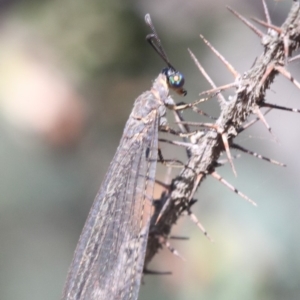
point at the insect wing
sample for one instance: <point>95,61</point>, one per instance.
<point>109,257</point>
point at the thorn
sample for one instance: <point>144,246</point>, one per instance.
<point>246,22</point>
<point>222,58</point>
<point>238,147</point>
<point>171,163</point>
<point>219,89</point>
<point>175,132</point>
<point>257,111</point>
<point>168,178</point>
<point>294,58</point>
<point>162,184</point>
<point>163,209</point>
<point>178,143</point>
<point>200,226</point>
<point>150,272</point>
<point>206,76</point>
<point>222,162</point>
<point>184,128</point>
<point>280,107</point>
<point>201,112</point>
<point>232,188</point>
<point>226,146</point>
<point>172,249</point>
<point>268,71</point>
<point>266,11</point>
<point>208,125</point>
<point>268,25</point>
<point>286,47</point>
<point>195,186</point>
<point>184,105</point>
<point>178,117</point>
<point>288,75</point>
<point>192,200</point>
<point>244,127</point>
<point>183,238</point>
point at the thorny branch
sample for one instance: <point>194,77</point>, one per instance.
<point>206,146</point>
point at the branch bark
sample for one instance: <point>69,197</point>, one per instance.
<point>207,145</point>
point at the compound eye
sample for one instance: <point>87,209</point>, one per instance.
<point>175,80</point>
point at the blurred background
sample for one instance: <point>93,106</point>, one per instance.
<point>69,74</point>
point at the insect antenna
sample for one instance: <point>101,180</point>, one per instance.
<point>175,79</point>
<point>154,40</point>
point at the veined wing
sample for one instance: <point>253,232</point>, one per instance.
<point>109,257</point>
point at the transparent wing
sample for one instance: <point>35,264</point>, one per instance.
<point>109,257</point>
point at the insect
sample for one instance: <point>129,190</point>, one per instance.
<point>109,258</point>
